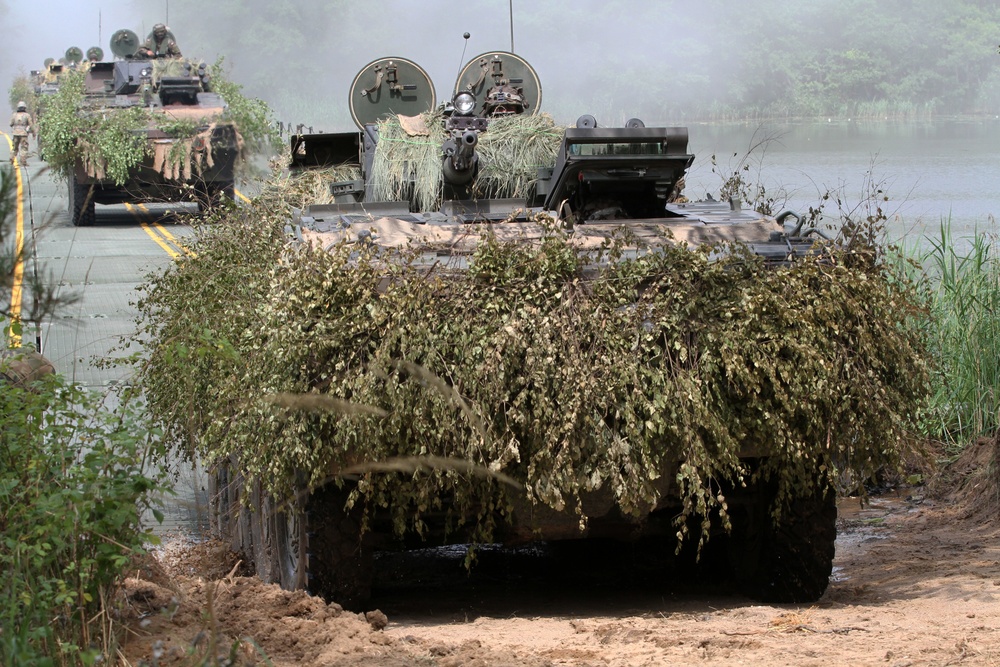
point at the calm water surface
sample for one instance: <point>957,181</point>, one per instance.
<point>946,169</point>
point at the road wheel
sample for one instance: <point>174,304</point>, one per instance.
<point>214,194</point>
<point>81,203</point>
<point>790,561</point>
<point>262,534</point>
<point>219,502</point>
<point>340,559</point>
<point>241,538</point>
<point>291,544</point>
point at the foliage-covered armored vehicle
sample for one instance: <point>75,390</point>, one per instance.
<point>139,129</point>
<point>465,346</point>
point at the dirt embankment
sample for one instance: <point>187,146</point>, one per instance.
<point>916,582</point>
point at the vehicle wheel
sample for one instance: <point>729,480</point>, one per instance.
<point>81,203</point>
<point>219,502</point>
<point>340,560</point>
<point>290,544</point>
<point>215,194</point>
<point>790,561</point>
<point>241,537</point>
<point>262,535</point>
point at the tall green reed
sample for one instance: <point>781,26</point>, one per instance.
<point>961,277</point>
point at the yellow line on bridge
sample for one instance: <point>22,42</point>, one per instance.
<point>170,237</point>
<point>134,210</point>
<point>163,238</point>
<point>17,289</point>
<point>159,241</point>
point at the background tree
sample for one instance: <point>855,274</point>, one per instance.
<point>664,60</point>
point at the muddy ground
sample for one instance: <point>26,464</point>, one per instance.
<point>916,582</point>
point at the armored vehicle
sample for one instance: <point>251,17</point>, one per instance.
<point>600,182</point>
<point>196,163</point>
<point>47,80</point>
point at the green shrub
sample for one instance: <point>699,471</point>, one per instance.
<point>251,115</point>
<point>74,480</point>
<point>560,371</point>
<point>22,90</point>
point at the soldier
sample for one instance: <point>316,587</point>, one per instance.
<point>23,367</point>
<point>22,125</point>
<point>159,44</point>
<point>503,101</point>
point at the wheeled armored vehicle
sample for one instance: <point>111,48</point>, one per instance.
<point>604,187</point>
<point>192,152</point>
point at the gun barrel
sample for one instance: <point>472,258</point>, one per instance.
<point>460,160</point>
<point>469,140</point>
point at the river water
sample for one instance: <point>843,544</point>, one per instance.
<point>934,171</point>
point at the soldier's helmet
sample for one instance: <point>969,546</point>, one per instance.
<point>22,368</point>
<point>504,100</point>
<point>21,106</point>
<point>160,31</point>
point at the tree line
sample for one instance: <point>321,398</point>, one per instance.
<point>667,59</point>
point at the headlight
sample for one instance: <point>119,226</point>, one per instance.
<point>465,103</point>
<point>145,71</point>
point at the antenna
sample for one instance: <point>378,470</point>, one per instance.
<point>461,63</point>
<point>167,3</point>
<point>100,27</point>
<point>510,3</point>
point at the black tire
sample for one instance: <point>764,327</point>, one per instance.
<point>270,537</point>
<point>262,535</point>
<point>290,544</point>
<point>787,562</point>
<point>340,560</point>
<point>214,194</point>
<point>81,203</point>
<point>220,503</point>
<point>240,533</point>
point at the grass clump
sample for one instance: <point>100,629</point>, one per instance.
<point>408,167</point>
<point>512,151</point>
<point>312,185</point>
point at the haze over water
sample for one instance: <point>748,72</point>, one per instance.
<point>933,171</point>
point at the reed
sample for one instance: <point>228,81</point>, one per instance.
<point>962,280</point>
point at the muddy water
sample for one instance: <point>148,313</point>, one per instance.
<point>861,524</point>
